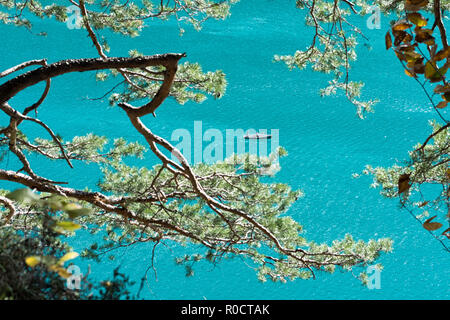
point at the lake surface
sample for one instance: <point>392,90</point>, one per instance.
<point>326,142</point>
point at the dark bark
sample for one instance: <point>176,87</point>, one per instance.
<point>10,88</point>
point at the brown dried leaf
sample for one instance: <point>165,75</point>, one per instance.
<point>424,36</point>
<point>419,67</point>
<point>442,54</point>
<point>403,183</point>
<point>431,226</point>
<point>423,204</point>
<point>442,89</point>
<point>442,104</point>
<point>446,233</point>
<point>388,39</point>
<point>401,25</point>
<point>415,5</point>
<point>399,36</point>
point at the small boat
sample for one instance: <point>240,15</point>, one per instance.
<point>258,136</point>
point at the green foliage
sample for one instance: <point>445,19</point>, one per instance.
<point>232,208</point>
<point>335,39</point>
<point>332,49</point>
<point>126,19</point>
<point>423,183</point>
<point>190,84</point>
<point>89,149</point>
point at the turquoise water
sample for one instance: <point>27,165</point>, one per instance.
<point>325,140</point>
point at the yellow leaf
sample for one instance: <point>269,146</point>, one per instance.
<point>417,19</point>
<point>71,206</point>
<point>63,273</point>
<point>68,225</point>
<point>60,270</point>
<point>410,73</point>
<point>68,256</point>
<point>32,261</point>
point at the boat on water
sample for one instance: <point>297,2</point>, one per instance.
<point>258,136</point>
